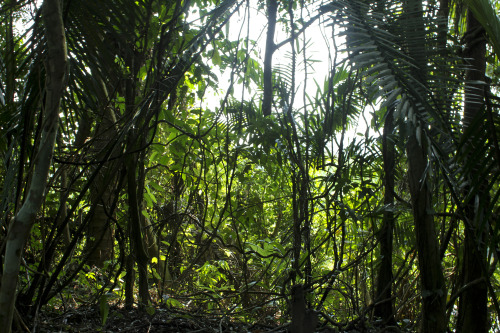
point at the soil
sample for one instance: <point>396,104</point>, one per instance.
<point>88,319</point>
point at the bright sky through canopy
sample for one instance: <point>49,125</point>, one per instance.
<point>316,36</point>
<point>319,48</point>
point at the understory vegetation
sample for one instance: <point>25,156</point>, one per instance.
<point>300,165</point>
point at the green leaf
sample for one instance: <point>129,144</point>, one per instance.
<point>104,309</point>
<point>151,195</point>
<point>156,186</point>
<point>150,309</point>
<point>216,59</point>
<point>155,274</point>
<point>173,303</point>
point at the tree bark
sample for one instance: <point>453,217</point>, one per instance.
<point>304,320</point>
<point>136,238</point>
<point>22,223</point>
<point>473,303</point>
<point>100,233</point>
<point>433,288</point>
<point>383,305</point>
<point>272,9</point>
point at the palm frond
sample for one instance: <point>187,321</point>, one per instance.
<point>378,36</point>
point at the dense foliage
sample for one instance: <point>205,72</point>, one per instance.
<point>203,159</point>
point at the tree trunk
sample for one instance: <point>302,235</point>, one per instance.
<point>151,244</point>
<point>136,238</point>
<point>129,282</point>
<point>272,9</point>
<point>433,288</point>
<point>383,303</point>
<point>63,205</point>
<point>473,304</point>
<point>20,227</point>
<point>100,233</point>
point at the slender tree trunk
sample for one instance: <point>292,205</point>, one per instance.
<point>63,202</point>
<point>433,288</point>
<point>151,245</point>
<point>100,233</point>
<point>272,9</point>
<point>129,282</point>
<point>20,227</point>
<point>137,243</point>
<point>473,304</point>
<point>9,55</point>
<point>150,240</point>
<point>383,307</point>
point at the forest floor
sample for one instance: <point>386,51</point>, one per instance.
<point>89,319</point>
